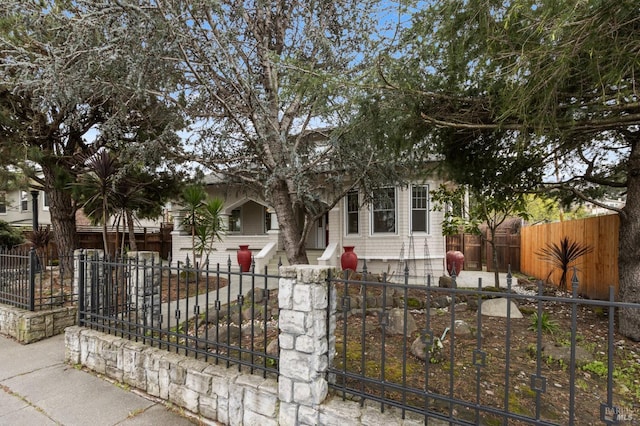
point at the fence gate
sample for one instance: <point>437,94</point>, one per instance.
<point>471,246</point>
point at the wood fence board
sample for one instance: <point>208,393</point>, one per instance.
<point>596,271</point>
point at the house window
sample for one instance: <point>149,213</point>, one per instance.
<point>384,211</point>
<point>420,208</point>
<point>24,201</point>
<point>235,224</point>
<point>267,219</point>
<point>3,203</point>
<point>45,201</point>
<point>353,212</point>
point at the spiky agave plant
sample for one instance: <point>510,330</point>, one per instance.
<point>561,256</point>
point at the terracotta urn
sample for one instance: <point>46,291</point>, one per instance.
<point>244,257</point>
<point>349,259</point>
<point>455,260</point>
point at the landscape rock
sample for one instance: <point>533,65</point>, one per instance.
<point>396,323</point>
<point>441,302</point>
<point>432,353</point>
<point>445,282</point>
<point>498,308</point>
<point>563,353</point>
<point>273,348</point>
<point>463,330</point>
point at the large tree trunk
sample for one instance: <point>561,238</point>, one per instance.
<point>629,248</point>
<point>290,227</point>
<point>63,221</point>
<point>494,252</point>
<point>132,232</point>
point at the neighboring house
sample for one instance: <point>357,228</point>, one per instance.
<point>16,207</point>
<point>399,229</point>
<point>593,210</point>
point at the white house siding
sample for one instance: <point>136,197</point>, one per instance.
<point>16,216</point>
<point>252,230</point>
<point>383,252</point>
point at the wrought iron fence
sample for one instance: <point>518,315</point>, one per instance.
<point>547,358</point>
<point>27,283</point>
<point>210,312</point>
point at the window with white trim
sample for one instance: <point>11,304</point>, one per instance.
<point>24,201</point>
<point>384,211</point>
<point>267,219</point>
<point>45,201</point>
<point>353,212</point>
<point>420,208</point>
<point>235,224</point>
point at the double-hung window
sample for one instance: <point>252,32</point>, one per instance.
<point>45,201</point>
<point>353,212</point>
<point>235,223</point>
<point>420,208</point>
<point>384,211</point>
<point>24,201</point>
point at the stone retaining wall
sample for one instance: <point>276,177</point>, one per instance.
<point>28,327</point>
<point>300,396</point>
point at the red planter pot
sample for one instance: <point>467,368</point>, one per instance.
<point>349,260</point>
<point>455,259</point>
<point>244,258</point>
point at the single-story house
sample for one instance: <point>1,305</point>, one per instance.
<point>400,229</point>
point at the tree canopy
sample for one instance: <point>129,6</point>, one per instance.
<point>270,88</point>
<point>558,79</point>
<point>64,97</point>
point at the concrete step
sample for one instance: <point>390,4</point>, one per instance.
<point>281,256</point>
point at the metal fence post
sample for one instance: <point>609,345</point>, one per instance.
<point>81,287</point>
<point>32,279</point>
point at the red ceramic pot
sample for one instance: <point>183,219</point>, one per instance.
<point>349,260</point>
<point>455,259</point>
<point>244,258</point>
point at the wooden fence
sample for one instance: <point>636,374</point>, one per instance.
<point>479,254</point>
<point>151,239</point>
<point>597,271</point>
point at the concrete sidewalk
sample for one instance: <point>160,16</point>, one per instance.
<point>38,388</point>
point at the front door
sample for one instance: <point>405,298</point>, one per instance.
<point>321,233</point>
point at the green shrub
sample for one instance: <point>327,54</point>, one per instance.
<point>546,323</point>
<point>9,236</point>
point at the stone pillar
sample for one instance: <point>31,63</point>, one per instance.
<point>145,277</point>
<point>304,348</point>
<point>93,277</point>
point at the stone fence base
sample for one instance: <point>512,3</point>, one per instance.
<point>28,327</point>
<point>213,391</point>
<point>300,396</point>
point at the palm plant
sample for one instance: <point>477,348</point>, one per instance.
<point>193,197</point>
<point>210,228</point>
<point>561,256</point>
<point>102,168</point>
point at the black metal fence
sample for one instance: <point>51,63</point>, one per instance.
<point>210,312</point>
<point>541,358</point>
<point>27,283</point>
